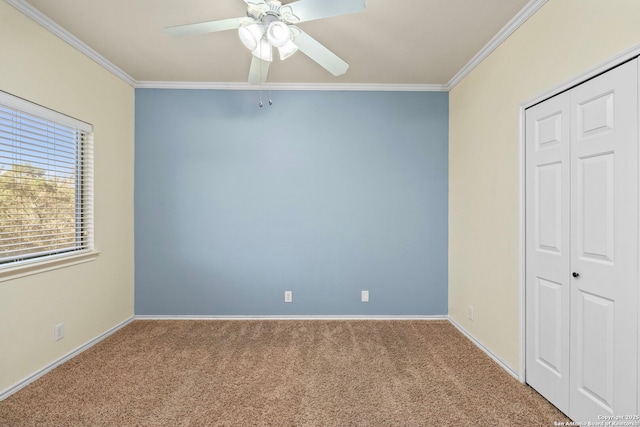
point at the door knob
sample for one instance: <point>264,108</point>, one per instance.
<point>576,275</point>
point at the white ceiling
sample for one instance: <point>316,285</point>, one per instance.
<point>409,42</point>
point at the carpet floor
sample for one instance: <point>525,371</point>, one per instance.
<point>280,373</point>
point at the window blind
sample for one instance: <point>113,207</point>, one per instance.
<point>46,182</point>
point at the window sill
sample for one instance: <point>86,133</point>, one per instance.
<point>28,268</point>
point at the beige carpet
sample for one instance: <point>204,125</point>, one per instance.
<point>280,373</point>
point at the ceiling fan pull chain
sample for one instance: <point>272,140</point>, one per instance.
<point>260,88</point>
<point>270,74</point>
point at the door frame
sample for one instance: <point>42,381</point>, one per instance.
<point>594,71</point>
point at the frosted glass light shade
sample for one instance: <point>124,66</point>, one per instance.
<point>278,34</point>
<point>287,50</point>
<point>251,35</point>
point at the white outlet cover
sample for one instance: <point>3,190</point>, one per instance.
<point>365,296</point>
<point>58,331</point>
<point>288,296</point>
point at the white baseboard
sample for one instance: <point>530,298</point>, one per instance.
<point>31,378</point>
<point>287,317</point>
<point>489,353</point>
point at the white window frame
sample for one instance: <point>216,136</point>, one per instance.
<point>46,262</point>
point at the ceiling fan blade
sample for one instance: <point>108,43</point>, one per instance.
<point>308,10</point>
<point>255,2</point>
<point>320,54</point>
<point>258,71</point>
<point>206,27</point>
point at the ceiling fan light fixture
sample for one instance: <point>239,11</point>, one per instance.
<point>287,50</point>
<point>251,35</point>
<point>270,24</point>
<point>278,34</point>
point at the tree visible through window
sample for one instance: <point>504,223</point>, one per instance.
<point>45,182</point>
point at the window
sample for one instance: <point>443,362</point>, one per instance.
<point>46,183</point>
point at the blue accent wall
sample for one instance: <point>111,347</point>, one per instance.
<point>323,193</point>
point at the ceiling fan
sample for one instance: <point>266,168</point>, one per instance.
<point>270,24</point>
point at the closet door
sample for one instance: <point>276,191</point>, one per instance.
<point>548,249</point>
<point>582,246</point>
<point>604,245</point>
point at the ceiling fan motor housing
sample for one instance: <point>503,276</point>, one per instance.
<point>271,10</point>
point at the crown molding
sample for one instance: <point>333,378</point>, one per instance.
<point>66,36</point>
<point>502,35</point>
<point>292,86</point>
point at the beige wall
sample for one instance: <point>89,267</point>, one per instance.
<point>90,298</point>
<point>563,39</point>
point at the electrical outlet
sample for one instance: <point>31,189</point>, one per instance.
<point>470,312</point>
<point>364,297</point>
<point>58,331</point>
<point>288,296</point>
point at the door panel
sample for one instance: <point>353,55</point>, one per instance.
<point>604,241</point>
<point>547,249</point>
<point>594,219</point>
<point>548,345</point>
<point>595,338</point>
<point>548,208</point>
<point>548,131</point>
<point>595,115</point>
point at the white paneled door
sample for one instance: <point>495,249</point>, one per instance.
<point>548,249</point>
<point>582,246</point>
